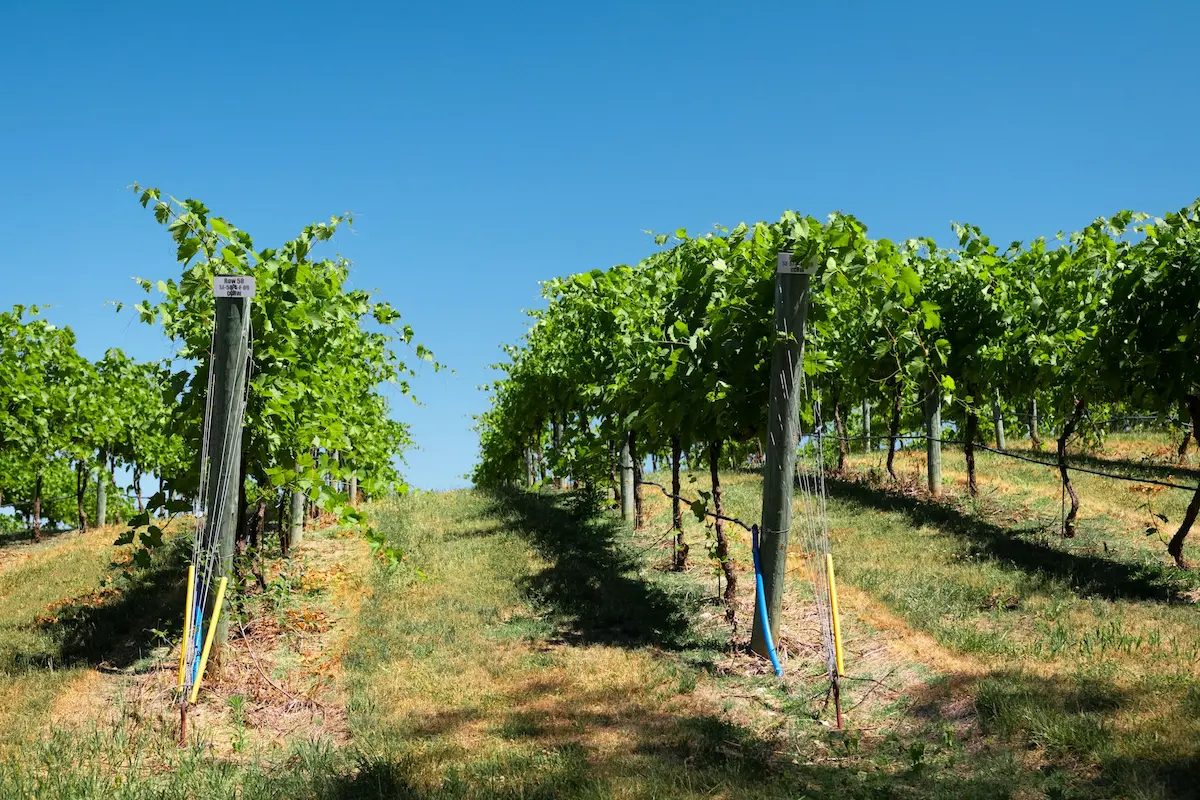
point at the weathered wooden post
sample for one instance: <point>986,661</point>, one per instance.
<point>296,523</point>
<point>998,421</point>
<point>627,501</point>
<point>1035,436</point>
<point>783,434</point>
<point>866,415</point>
<point>230,370</point>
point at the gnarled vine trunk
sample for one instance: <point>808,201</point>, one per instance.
<point>971,432</point>
<point>866,423</point>
<point>679,563</point>
<point>556,428</point>
<point>840,431</point>
<point>282,515</point>
<point>102,491</point>
<point>242,535</point>
<point>119,518</point>
<point>614,475</point>
<point>258,524</point>
<point>998,422</point>
<point>258,532</point>
<point>1175,547</point>
<point>714,461</point>
<point>1068,429</point>
<point>314,510</point>
<point>80,492</point>
<point>894,432</point>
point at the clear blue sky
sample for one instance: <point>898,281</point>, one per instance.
<point>484,147</point>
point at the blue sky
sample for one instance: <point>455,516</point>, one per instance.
<point>484,147</point>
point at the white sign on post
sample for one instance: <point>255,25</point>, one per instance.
<point>233,286</point>
<point>786,266</point>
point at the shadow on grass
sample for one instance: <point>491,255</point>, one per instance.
<point>1086,574</point>
<point>25,537</point>
<point>595,731</point>
<point>669,755</point>
<point>1080,720</point>
<point>116,627</point>
<point>592,585</point>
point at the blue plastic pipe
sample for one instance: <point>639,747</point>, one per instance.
<point>762,602</point>
<point>199,626</point>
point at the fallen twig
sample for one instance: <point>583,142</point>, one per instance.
<point>254,658</point>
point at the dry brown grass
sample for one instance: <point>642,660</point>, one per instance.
<point>282,667</point>
<point>37,580</point>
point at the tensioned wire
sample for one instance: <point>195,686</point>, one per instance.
<point>813,521</point>
<point>818,543</point>
<point>198,511</point>
<point>811,474</point>
<point>206,556</point>
<point>205,543</point>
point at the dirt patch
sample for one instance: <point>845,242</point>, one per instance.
<point>86,701</point>
<point>900,638</point>
<point>278,679</point>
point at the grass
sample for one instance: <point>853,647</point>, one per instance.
<point>50,631</point>
<point>546,655</point>
<point>1080,653</point>
<point>87,640</point>
<point>534,646</point>
<point>515,669</point>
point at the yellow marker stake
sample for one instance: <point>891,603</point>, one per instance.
<point>833,610</point>
<point>208,640</point>
<point>187,621</point>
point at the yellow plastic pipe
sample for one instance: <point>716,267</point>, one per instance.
<point>208,640</point>
<point>187,622</point>
<point>833,610</point>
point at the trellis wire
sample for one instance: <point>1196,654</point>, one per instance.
<point>815,539</point>
<point>205,542</point>
<point>813,527</point>
<point>1050,464</point>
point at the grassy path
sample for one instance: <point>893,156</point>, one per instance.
<point>545,654</point>
<point>535,661</point>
